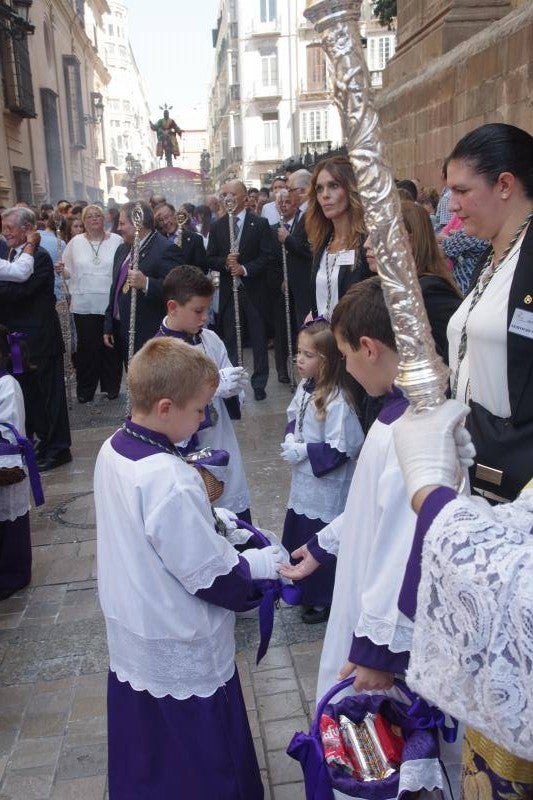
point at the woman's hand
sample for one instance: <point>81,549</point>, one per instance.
<point>59,267</point>
<point>306,567</point>
<point>367,679</point>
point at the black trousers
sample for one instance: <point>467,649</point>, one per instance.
<point>45,403</point>
<point>95,363</point>
<point>256,334</point>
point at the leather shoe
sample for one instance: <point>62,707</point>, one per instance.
<point>112,396</point>
<point>51,462</point>
<point>260,394</point>
<point>283,378</point>
<point>312,616</point>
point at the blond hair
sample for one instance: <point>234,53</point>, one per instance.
<point>92,208</point>
<point>168,368</point>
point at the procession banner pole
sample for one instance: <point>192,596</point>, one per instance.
<point>229,203</point>
<point>422,376</point>
<point>137,220</point>
<point>64,316</point>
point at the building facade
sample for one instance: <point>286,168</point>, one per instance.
<point>53,83</point>
<point>130,143</point>
<point>270,96</point>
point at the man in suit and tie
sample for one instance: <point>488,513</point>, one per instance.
<point>29,307</point>
<point>192,245</point>
<point>299,257</point>
<point>249,265</point>
<point>157,256</point>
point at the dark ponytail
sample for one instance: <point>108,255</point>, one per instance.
<point>495,148</point>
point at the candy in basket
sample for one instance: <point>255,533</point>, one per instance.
<point>372,746</point>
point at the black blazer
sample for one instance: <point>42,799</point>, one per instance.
<point>30,308</point>
<point>192,249</point>
<point>441,301</point>
<point>156,258</point>
<point>299,264</point>
<point>519,348</point>
<point>256,254</point>
<point>347,275</point>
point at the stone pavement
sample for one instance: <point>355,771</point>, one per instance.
<point>53,656</point>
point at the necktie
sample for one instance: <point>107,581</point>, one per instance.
<point>12,254</point>
<point>236,227</point>
<point>287,226</point>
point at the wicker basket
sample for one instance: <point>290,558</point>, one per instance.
<point>11,475</point>
<point>213,486</point>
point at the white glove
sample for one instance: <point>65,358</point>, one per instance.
<point>432,446</point>
<point>227,517</point>
<point>289,439</point>
<point>232,380</point>
<point>293,452</point>
<point>265,563</point>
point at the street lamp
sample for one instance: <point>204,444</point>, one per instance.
<point>14,19</point>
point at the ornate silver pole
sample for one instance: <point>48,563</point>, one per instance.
<point>229,202</point>
<point>63,309</point>
<point>137,219</point>
<point>422,375</point>
<point>182,217</point>
<point>282,196</point>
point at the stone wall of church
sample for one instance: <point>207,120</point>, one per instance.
<point>486,78</point>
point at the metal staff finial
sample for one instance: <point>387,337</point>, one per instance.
<point>182,218</point>
<point>422,375</point>
<point>230,203</point>
<point>137,218</point>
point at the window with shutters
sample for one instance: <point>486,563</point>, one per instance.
<point>316,69</point>
<point>23,188</point>
<point>16,75</point>
<point>268,10</point>
<point>52,144</point>
<point>269,69</point>
<point>76,125</point>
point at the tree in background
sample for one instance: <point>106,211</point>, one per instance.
<point>385,10</point>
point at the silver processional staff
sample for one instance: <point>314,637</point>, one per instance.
<point>230,203</point>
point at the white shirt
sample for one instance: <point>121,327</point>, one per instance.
<point>157,546</point>
<point>271,213</point>
<point>483,371</point>
<point>326,300</point>
<point>90,282</point>
<point>18,270</point>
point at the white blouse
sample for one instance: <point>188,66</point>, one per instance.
<point>483,371</point>
<point>91,272</point>
<point>14,499</point>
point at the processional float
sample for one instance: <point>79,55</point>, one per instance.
<point>422,375</point>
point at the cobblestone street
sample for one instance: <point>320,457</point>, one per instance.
<point>53,656</point>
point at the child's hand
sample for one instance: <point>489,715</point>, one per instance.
<point>367,679</point>
<point>293,452</point>
<point>306,567</point>
<point>232,380</point>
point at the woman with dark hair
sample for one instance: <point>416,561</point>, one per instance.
<point>490,174</point>
<point>74,227</point>
<point>335,228</point>
<point>203,226</point>
<point>111,219</point>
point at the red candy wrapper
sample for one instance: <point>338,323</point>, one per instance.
<point>391,742</point>
<point>333,745</point>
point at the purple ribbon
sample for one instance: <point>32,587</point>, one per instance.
<point>14,340</point>
<point>24,448</point>
<point>271,592</point>
<point>120,283</point>
<point>421,716</point>
<point>313,321</point>
<point>214,458</point>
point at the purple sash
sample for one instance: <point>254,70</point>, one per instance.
<point>25,449</point>
<point>270,593</point>
<point>120,283</point>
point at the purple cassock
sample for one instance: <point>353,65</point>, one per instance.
<point>196,748</point>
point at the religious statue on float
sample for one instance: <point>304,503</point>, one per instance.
<point>167,136</point>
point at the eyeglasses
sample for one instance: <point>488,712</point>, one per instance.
<point>93,216</point>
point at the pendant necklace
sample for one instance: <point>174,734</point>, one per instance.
<point>96,250</point>
<point>306,399</point>
<point>329,276</point>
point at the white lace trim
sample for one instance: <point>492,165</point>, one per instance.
<point>472,650</point>
<point>397,637</point>
<point>204,577</point>
<point>320,498</point>
<point>422,773</point>
<point>179,668</point>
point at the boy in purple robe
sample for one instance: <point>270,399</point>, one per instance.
<point>169,585</point>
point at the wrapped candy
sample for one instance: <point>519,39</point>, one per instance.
<point>333,745</point>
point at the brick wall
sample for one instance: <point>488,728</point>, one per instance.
<point>487,78</point>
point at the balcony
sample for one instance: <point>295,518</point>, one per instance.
<point>260,92</point>
<point>258,28</point>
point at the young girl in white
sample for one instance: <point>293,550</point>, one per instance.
<point>322,442</point>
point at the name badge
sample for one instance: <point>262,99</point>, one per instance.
<point>522,323</point>
<point>346,258</point>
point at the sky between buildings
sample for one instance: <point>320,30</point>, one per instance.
<point>172,44</point>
